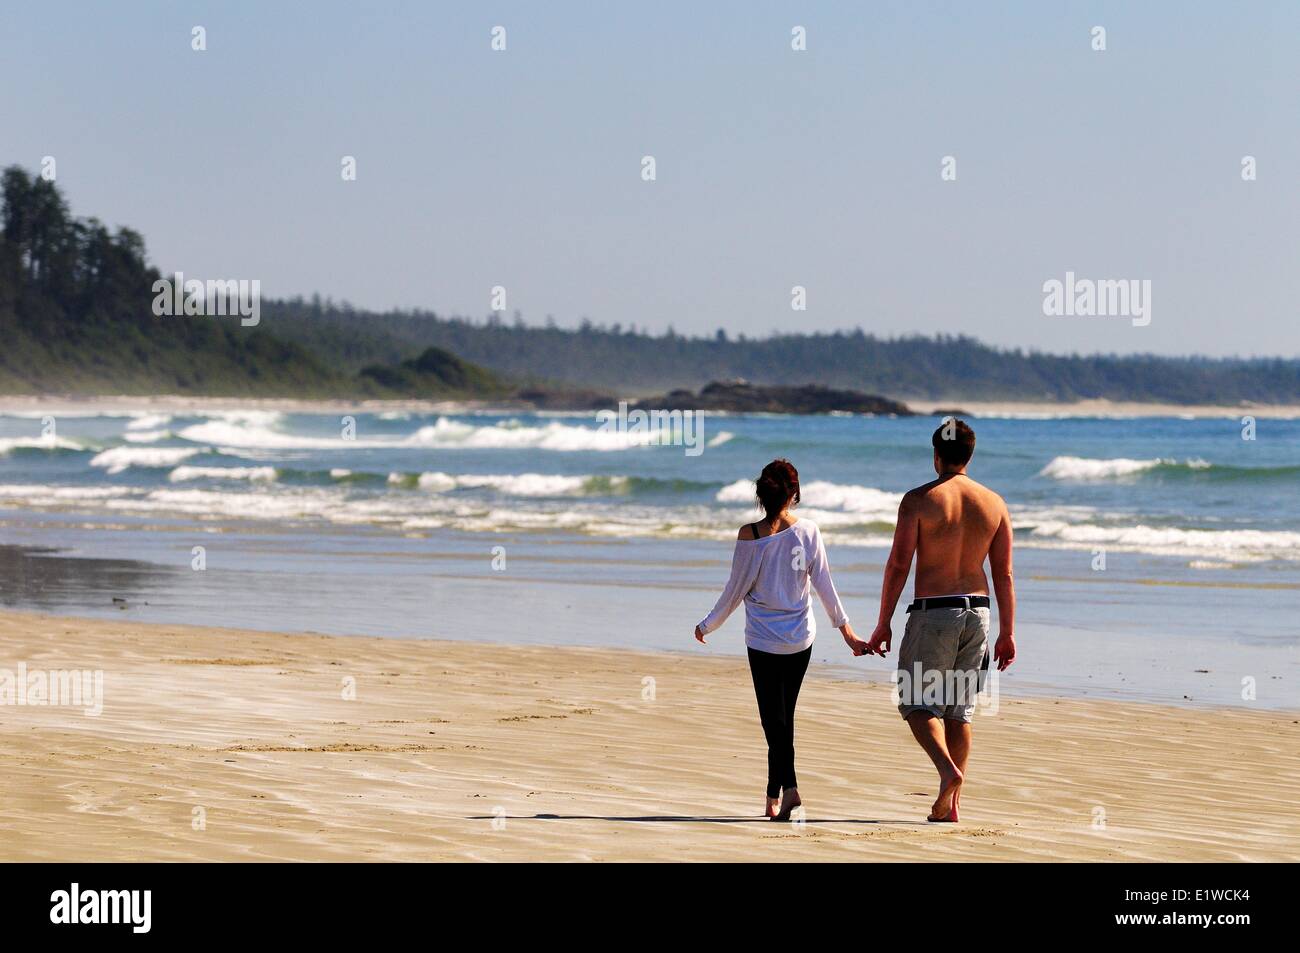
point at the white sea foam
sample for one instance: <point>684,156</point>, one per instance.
<point>255,432</point>
<point>149,422</point>
<point>528,484</point>
<point>436,482</point>
<point>117,459</point>
<point>1175,541</point>
<point>861,503</point>
<point>260,434</point>
<point>510,484</point>
<point>296,504</point>
<point>1081,468</point>
<point>742,491</point>
<point>146,436</point>
<point>848,525</point>
<point>29,494</point>
<point>447,434</point>
<point>46,442</point>
<point>1087,469</point>
<point>260,474</point>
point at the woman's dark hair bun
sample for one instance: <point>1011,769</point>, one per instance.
<point>777,486</point>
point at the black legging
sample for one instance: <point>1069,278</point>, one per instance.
<point>777,679</point>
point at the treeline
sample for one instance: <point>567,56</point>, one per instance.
<point>627,360</point>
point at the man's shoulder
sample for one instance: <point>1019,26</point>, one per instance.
<point>919,494</point>
<point>934,492</point>
<point>989,494</point>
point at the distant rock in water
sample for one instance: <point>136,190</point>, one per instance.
<point>561,398</point>
<point>742,397</point>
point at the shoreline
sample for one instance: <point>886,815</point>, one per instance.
<point>108,405</point>
<point>221,744</point>
<point>1105,408</point>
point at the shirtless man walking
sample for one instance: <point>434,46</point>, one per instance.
<point>951,525</point>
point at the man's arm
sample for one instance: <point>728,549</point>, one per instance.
<point>897,569</point>
<point>1004,650</point>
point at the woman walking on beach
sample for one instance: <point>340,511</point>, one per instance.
<point>777,561</point>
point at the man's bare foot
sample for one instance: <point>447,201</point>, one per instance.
<point>789,801</point>
<point>773,805</point>
<point>945,805</point>
<point>955,814</point>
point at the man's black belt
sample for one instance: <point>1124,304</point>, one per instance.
<point>950,602</point>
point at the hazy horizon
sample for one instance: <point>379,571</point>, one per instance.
<point>820,168</point>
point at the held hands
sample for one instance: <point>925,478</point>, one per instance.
<point>880,640</point>
<point>855,644</point>
<point>1004,650</point>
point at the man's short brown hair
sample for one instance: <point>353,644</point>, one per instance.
<point>954,442</point>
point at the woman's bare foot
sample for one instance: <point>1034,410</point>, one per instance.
<point>773,805</point>
<point>789,801</point>
<point>945,805</point>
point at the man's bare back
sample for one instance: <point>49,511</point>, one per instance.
<point>950,526</point>
<point>957,522</point>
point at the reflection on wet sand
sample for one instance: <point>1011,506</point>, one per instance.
<point>42,577</point>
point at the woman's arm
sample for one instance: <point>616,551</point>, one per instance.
<point>744,567</point>
<point>819,574</point>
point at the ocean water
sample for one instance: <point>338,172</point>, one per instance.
<point>1157,558</point>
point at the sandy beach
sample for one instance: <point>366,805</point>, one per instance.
<point>69,404</point>
<point>229,745</point>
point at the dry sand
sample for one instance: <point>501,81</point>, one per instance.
<point>1105,408</point>
<point>71,405</point>
<point>226,745</point>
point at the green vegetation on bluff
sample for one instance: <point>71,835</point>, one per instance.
<point>76,316</point>
<point>436,371</point>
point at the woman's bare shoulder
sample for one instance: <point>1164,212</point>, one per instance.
<point>746,531</point>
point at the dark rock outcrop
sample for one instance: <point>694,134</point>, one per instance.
<point>742,397</point>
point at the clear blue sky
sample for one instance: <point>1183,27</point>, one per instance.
<point>775,168</point>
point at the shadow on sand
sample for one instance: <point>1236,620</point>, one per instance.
<point>689,819</point>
